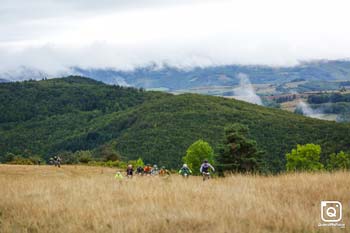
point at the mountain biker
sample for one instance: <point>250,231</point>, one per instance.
<point>205,169</point>
<point>147,169</point>
<point>129,171</point>
<point>163,171</point>
<point>155,170</point>
<point>57,161</point>
<point>118,176</point>
<point>185,171</point>
<point>139,171</point>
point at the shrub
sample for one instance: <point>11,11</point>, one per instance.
<point>83,156</point>
<point>340,161</point>
<point>137,163</point>
<point>196,153</point>
<point>68,157</point>
<point>21,161</point>
<point>304,158</point>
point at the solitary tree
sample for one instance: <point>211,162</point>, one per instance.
<point>304,158</point>
<point>196,153</point>
<point>238,153</point>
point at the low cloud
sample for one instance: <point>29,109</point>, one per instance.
<point>306,110</point>
<point>55,35</point>
<point>245,91</point>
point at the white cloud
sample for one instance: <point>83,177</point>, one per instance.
<point>308,111</point>
<point>53,35</point>
<point>245,91</point>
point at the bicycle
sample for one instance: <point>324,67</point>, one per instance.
<point>206,175</point>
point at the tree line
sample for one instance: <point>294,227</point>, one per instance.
<point>239,153</point>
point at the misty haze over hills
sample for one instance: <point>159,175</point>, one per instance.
<point>169,78</point>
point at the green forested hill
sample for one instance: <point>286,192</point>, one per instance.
<point>75,113</point>
<point>23,101</point>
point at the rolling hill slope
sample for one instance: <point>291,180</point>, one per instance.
<point>69,114</point>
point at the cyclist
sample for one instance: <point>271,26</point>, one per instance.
<point>205,169</point>
<point>129,171</point>
<point>185,171</point>
<point>164,172</point>
<point>139,171</point>
<point>118,175</point>
<point>155,170</point>
<point>147,169</point>
<point>57,161</point>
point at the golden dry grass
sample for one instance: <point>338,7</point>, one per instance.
<point>89,199</point>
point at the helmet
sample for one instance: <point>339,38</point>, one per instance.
<point>185,165</point>
<point>129,166</point>
<point>205,161</point>
<point>155,165</point>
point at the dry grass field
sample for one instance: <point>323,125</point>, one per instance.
<point>89,199</point>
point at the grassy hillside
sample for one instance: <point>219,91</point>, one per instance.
<point>70,114</point>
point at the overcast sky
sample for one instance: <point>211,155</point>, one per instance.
<point>52,35</point>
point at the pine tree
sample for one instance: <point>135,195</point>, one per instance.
<point>238,153</point>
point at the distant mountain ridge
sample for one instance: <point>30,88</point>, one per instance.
<point>171,79</point>
<point>174,79</point>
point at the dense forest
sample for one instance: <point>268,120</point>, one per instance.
<point>328,98</point>
<point>70,114</point>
